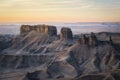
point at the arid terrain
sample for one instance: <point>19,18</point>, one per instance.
<point>39,53</point>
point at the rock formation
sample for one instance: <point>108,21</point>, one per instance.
<point>36,55</point>
<point>110,39</point>
<point>50,30</point>
<point>66,34</point>
<point>90,40</point>
<point>87,59</point>
<point>83,40</point>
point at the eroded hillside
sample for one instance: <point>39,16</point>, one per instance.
<point>39,54</point>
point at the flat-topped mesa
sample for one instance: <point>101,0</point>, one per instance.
<point>50,30</point>
<point>66,34</point>
<point>90,40</point>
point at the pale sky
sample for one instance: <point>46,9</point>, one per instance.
<point>59,10</point>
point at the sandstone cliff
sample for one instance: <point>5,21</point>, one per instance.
<point>66,34</point>
<point>50,30</point>
<point>83,40</point>
<point>90,40</point>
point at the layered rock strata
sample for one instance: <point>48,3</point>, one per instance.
<point>66,33</point>
<point>47,29</point>
<point>88,40</point>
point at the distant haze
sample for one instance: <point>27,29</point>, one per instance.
<point>77,28</point>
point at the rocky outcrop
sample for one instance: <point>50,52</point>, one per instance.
<point>50,30</point>
<point>90,40</point>
<point>87,59</point>
<point>83,40</point>
<point>110,39</point>
<point>66,34</point>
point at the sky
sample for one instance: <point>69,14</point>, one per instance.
<point>59,10</point>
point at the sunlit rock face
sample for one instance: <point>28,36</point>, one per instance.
<point>90,40</point>
<point>47,29</point>
<point>66,33</point>
<point>83,40</point>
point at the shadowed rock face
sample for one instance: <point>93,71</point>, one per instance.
<point>5,41</point>
<point>50,30</point>
<point>22,61</point>
<point>66,33</point>
<point>112,75</point>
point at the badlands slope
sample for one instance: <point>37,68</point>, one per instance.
<point>38,53</point>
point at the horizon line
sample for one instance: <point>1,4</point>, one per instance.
<point>65,22</point>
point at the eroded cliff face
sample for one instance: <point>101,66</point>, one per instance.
<point>90,56</point>
<point>90,40</point>
<point>98,59</point>
<point>66,34</point>
<point>47,29</point>
<point>40,55</point>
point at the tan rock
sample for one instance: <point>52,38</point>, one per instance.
<point>47,29</point>
<point>66,33</point>
<point>92,39</point>
<point>83,40</point>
